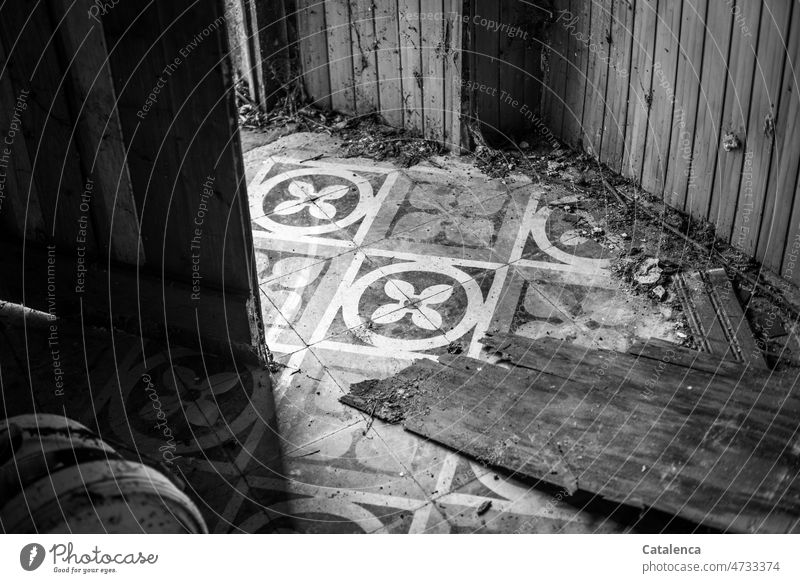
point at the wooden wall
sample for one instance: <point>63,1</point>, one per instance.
<point>122,167</point>
<point>504,42</point>
<point>398,58</point>
<point>652,87</point>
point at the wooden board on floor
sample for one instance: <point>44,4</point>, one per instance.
<point>716,317</point>
<point>707,448</point>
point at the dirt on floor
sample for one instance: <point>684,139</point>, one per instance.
<point>651,241</point>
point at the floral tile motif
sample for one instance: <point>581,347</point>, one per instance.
<point>421,305</point>
<point>301,200</point>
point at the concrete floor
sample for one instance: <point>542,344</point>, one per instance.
<point>365,267</point>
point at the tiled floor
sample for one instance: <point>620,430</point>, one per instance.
<point>365,267</point>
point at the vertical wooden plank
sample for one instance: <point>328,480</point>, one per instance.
<point>615,123</point>
<point>365,64</point>
<point>707,149</point>
<point>764,111</point>
<point>311,32</point>
<point>340,56</point>
<point>433,83</point>
<point>554,91</point>
<point>664,71</point>
<point>270,46</point>
<point>411,64</point>
<point>236,20</point>
<point>790,269</point>
<point>452,73</point>
<point>739,86</point>
<point>99,133</point>
<point>640,88</point>
<point>595,105</point>
<point>20,211</point>
<point>511,62</point>
<point>185,166</point>
<point>388,54</point>
<point>487,68</point>
<point>780,225</point>
<point>533,75</point>
<point>35,72</point>
<point>684,115</point>
<point>776,198</point>
<point>576,24</point>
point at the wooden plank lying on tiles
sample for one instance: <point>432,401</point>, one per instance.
<point>664,351</point>
<point>99,131</point>
<point>704,447</point>
<point>716,317</point>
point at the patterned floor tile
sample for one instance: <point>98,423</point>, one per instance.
<point>365,268</point>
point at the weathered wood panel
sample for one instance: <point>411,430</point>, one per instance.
<point>706,152</point>
<point>365,62</point>
<point>432,44</point>
<point>595,105</point>
<point>761,126</point>
<point>709,448</point>
<point>640,95</point>
<point>313,43</point>
<point>665,61</point>
<point>710,115</point>
<point>679,171</point>
<point>98,130</point>
<point>340,56</point>
<point>411,64</point>
<point>779,224</point>
<point>614,125</point>
<point>36,74</point>
<point>390,82</point>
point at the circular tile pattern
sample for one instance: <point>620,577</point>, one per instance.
<point>311,201</point>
